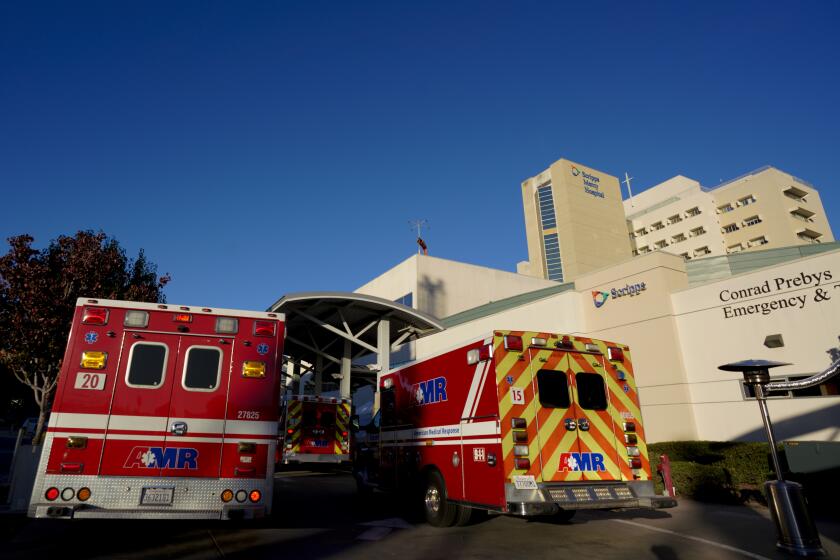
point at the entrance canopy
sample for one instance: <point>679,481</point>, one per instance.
<point>334,333</point>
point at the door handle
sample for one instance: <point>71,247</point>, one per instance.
<point>178,428</point>
<point>583,424</point>
<point>570,424</point>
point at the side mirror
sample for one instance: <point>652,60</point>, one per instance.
<point>354,423</point>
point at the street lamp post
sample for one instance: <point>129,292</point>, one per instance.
<point>795,527</point>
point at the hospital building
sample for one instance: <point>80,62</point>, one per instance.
<point>690,277</point>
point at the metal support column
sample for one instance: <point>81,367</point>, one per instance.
<point>346,360</point>
<point>319,375</point>
<point>383,348</point>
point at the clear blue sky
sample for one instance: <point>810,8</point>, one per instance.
<point>260,148</point>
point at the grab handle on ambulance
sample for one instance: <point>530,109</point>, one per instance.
<point>178,428</point>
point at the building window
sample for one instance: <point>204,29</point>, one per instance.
<point>809,235</point>
<point>730,228</point>
<point>802,214</point>
<point>641,231</point>
<point>657,226</point>
<point>553,263</point>
<point>737,248</point>
<point>758,241</point>
<point>407,300</point>
<point>691,212</point>
<point>725,208</point>
<point>685,256</point>
<point>701,251</point>
<point>635,252</point>
<point>678,238</point>
<point>830,388</point>
<point>752,220</point>
<point>796,194</point>
<point>746,201</point>
<point>674,219</point>
<point>546,204</point>
<point>643,250</point>
<point>551,243</point>
<point>697,231</point>
<point>661,244</point>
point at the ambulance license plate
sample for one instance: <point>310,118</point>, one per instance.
<point>157,496</point>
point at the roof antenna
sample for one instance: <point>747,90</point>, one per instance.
<point>626,181</point>
<point>419,225</point>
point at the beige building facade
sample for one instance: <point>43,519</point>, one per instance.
<point>764,209</point>
<point>682,321</point>
<point>574,221</point>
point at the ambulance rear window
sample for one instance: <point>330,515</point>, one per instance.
<point>592,393</point>
<point>147,364</point>
<point>203,368</point>
<point>553,387</point>
<point>327,419</point>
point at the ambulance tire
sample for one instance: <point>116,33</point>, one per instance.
<point>464,516</point>
<point>439,511</point>
<point>564,515</point>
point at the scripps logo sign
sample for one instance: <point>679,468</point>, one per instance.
<point>599,298</point>
<point>591,183</point>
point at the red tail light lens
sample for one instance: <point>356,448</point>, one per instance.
<point>518,423</point>
<point>629,426</point>
<point>513,343</point>
<point>51,494</point>
<point>290,431</point>
<point>615,354</point>
<point>520,437</point>
<point>255,496</point>
<point>95,316</point>
<point>522,464</point>
<point>182,318</point>
<point>264,328</point>
<point>485,352</point>
<point>635,463</point>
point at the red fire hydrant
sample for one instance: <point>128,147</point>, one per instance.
<point>664,470</point>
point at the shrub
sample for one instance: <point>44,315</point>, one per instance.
<point>714,470</point>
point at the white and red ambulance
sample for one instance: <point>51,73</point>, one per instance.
<point>523,423</point>
<point>163,411</point>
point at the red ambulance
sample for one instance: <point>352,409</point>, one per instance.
<point>316,429</point>
<point>522,423</point>
<point>163,411</point>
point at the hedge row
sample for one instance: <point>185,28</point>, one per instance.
<point>716,471</point>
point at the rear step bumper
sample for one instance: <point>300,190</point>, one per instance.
<point>86,512</point>
<point>549,498</point>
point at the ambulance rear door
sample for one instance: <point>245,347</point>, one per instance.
<point>575,430</point>
<point>196,419</point>
<point>136,430</point>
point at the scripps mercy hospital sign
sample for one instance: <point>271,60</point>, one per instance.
<point>786,292</point>
<point>591,183</point>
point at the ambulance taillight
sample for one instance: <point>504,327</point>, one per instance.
<point>255,496</point>
<point>513,343</point>
<point>182,318</point>
<point>94,360</point>
<point>480,354</point>
<point>264,328</point>
<point>51,494</point>
<point>253,369</point>
<point>95,316</point>
<point>615,354</point>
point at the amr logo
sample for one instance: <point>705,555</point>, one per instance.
<point>429,392</point>
<point>582,462</point>
<point>162,458</point>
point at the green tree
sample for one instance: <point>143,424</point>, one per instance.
<point>38,292</point>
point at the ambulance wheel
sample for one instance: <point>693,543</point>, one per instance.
<point>565,515</point>
<point>463,516</point>
<point>439,511</point>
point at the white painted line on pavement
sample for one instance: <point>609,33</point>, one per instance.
<point>693,538</point>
